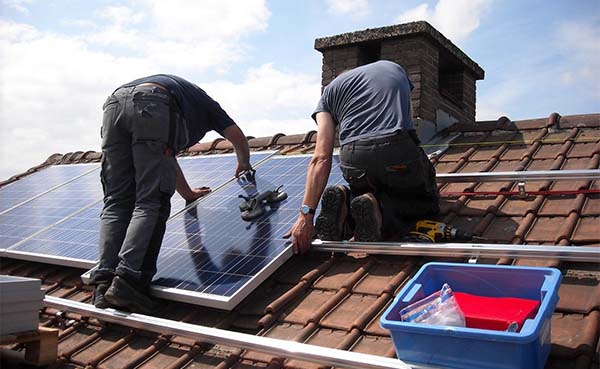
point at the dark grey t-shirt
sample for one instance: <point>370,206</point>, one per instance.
<point>201,113</point>
<point>368,101</point>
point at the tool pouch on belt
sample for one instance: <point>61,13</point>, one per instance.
<point>357,179</point>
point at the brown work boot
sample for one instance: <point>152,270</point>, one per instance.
<point>366,214</point>
<point>331,223</point>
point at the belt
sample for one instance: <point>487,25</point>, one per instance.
<point>396,136</point>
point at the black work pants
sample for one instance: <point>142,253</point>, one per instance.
<point>397,171</point>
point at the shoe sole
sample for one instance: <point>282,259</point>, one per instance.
<point>327,222</point>
<point>366,225</point>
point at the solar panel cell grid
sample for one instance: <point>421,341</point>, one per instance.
<point>37,183</point>
<point>48,209</point>
<point>210,250</point>
<point>77,236</point>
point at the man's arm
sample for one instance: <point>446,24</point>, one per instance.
<point>234,134</point>
<point>183,188</point>
<point>318,173</point>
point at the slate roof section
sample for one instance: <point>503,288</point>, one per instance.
<point>336,301</point>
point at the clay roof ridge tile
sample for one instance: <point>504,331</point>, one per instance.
<point>554,120</point>
<point>274,139</point>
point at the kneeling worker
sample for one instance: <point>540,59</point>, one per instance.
<point>146,122</point>
<point>389,175</point>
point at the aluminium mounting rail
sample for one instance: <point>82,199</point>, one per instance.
<point>527,175</point>
<point>568,253</point>
<point>276,347</point>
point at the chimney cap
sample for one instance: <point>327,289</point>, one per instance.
<point>397,31</point>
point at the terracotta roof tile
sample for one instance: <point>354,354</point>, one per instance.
<point>591,206</point>
<point>574,334</point>
<point>587,230</point>
<point>348,311</point>
<point>579,295</point>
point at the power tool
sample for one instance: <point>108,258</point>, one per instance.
<point>432,231</point>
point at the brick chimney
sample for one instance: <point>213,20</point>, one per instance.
<point>443,76</point>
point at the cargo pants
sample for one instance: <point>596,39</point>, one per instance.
<point>138,178</point>
<point>397,171</point>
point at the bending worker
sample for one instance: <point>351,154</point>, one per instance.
<point>146,122</point>
<point>389,175</point>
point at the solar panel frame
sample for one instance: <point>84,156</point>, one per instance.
<point>22,249</point>
<point>229,302</point>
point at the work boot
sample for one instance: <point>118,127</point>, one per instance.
<point>331,221</point>
<point>99,300</point>
<point>121,294</point>
<point>366,214</point>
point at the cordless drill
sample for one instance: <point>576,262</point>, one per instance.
<point>440,232</point>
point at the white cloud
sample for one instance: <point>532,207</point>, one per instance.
<point>53,85</point>
<point>455,19</point>
<point>579,45</point>
<point>208,19</point>
<point>349,7</point>
<point>258,102</point>
<point>18,5</point>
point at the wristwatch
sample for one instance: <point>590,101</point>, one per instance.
<point>305,209</point>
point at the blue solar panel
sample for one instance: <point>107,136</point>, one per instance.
<point>211,256</point>
<point>48,209</point>
<point>77,237</point>
<point>37,183</point>
<point>210,171</point>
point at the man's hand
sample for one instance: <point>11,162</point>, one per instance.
<point>196,193</point>
<point>241,168</point>
<point>302,234</point>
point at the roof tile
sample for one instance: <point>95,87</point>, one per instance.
<point>591,206</point>
<point>545,229</point>
<point>587,230</point>
<point>303,311</point>
<point>579,295</point>
<point>574,334</point>
<point>167,356</point>
<point>558,205</point>
<point>323,337</point>
<point>348,311</point>
<point>375,345</point>
<point>502,229</point>
<point>383,277</point>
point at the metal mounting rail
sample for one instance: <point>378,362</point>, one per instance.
<point>570,253</point>
<point>529,175</point>
<point>276,347</point>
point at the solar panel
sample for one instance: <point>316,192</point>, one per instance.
<point>210,171</point>
<point>74,241</point>
<point>33,216</point>
<point>39,183</point>
<point>210,256</point>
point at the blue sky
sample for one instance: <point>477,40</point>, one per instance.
<point>60,59</point>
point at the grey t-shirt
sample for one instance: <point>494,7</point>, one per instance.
<point>368,101</point>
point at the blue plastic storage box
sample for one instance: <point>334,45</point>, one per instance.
<point>458,347</point>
